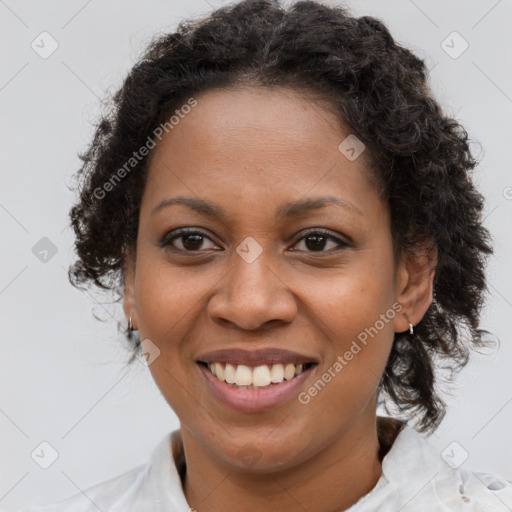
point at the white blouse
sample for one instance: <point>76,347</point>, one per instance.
<point>415,478</point>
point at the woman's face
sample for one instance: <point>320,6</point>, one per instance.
<point>262,173</point>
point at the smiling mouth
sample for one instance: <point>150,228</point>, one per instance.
<point>255,377</point>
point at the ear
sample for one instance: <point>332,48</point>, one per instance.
<point>129,303</point>
<point>414,284</point>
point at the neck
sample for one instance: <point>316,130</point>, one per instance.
<point>333,479</point>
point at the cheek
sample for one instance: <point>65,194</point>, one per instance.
<point>356,314</point>
<point>352,300</point>
<point>166,300</point>
<point>360,339</point>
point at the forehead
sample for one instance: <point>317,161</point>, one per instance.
<point>259,146</point>
<point>245,117</point>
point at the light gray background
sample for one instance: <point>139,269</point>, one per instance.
<point>62,374</point>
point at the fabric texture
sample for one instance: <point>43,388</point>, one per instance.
<point>415,478</point>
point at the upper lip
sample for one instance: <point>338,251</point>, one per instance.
<point>255,357</point>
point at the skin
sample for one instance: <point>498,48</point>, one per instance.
<point>250,151</point>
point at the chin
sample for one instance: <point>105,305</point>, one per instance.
<point>263,456</point>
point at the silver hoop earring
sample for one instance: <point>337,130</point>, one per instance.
<point>411,329</point>
<point>130,324</point>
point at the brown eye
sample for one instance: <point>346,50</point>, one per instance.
<point>316,241</point>
<point>189,241</point>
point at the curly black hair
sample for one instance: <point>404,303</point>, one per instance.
<point>419,156</point>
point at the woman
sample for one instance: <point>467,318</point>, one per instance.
<point>288,218</point>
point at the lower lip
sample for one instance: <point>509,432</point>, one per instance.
<point>254,400</point>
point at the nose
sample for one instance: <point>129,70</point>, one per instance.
<point>252,296</point>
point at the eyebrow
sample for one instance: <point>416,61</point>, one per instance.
<point>289,210</point>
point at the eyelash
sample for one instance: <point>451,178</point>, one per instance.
<point>166,242</point>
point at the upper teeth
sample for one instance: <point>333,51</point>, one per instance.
<point>259,376</point>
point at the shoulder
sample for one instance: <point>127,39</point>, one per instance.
<point>472,491</point>
<point>487,490</point>
<point>421,476</point>
<point>102,496</point>
<point>134,490</point>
